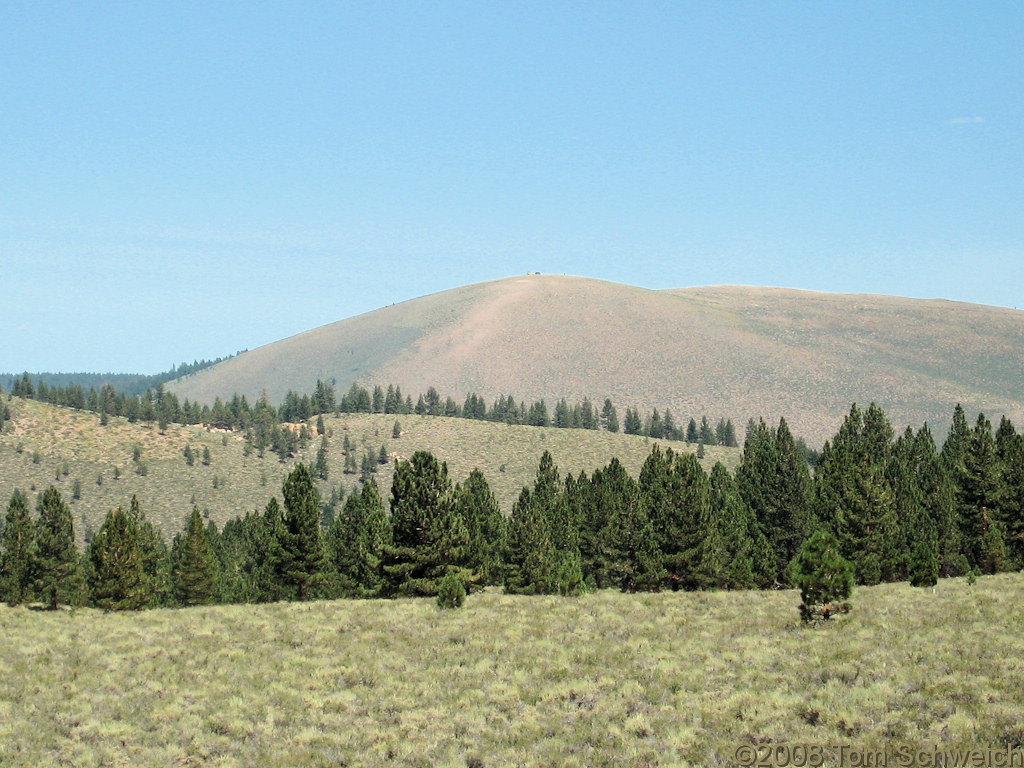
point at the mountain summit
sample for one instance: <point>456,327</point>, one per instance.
<point>724,351</point>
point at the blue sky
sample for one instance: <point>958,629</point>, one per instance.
<point>183,180</point>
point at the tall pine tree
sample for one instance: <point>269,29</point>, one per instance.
<point>58,578</point>
<point>305,559</point>
<point>17,552</point>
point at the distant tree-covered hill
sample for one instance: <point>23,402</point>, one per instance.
<point>130,384</point>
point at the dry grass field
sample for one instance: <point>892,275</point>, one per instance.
<point>42,441</point>
<point>605,679</point>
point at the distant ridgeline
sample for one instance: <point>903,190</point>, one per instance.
<point>890,507</point>
<point>131,384</point>
<point>262,423</point>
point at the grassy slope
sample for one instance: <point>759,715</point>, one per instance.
<point>720,351</point>
<point>167,491</point>
<point>603,680</point>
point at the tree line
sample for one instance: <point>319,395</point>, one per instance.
<point>262,423</point>
<point>126,383</point>
<point>896,508</point>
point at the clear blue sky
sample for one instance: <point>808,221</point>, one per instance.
<point>182,180</point>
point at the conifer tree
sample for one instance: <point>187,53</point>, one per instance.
<point>529,552</point>
<point>1010,448</point>
<point>356,542</point>
<point>117,581</point>
<point>17,552</point>
<point>629,556</point>
<point>194,569</point>
<point>632,425</point>
<point>58,578</point>
<point>303,543</point>
<point>267,534</point>
<point>476,505</point>
<point>450,592</point>
<point>609,417</point>
<point>429,538</point>
<point>824,578</point>
<point>692,436</point>
<point>923,566</point>
<point>749,558</point>
<point>774,481</point>
<point>321,459</point>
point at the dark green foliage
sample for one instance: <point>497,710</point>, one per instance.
<point>823,576</point>
<point>609,417</point>
<point>622,548</point>
<point>923,566</point>
<point>17,552</point>
<point>154,554</point>
<point>485,525</point>
<point>749,557</point>
<point>194,564</point>
<point>977,472</point>
<point>206,456</point>
<point>1010,448</point>
<point>775,482</point>
<point>356,542</point>
<point>302,541</point>
<point>450,592</point>
<point>321,459</point>
<point>429,538</point>
<point>396,431</point>
<point>529,552</point>
<point>267,558</point>
<point>856,500</point>
<point>190,457</point>
<point>117,581</point>
<point>58,578</point>
<point>632,425</point>
<point>675,493</point>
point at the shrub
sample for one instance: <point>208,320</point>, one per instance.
<point>450,592</point>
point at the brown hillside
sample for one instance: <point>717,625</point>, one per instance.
<point>721,351</point>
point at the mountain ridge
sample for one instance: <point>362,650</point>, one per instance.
<point>735,351</point>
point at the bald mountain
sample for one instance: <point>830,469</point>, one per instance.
<point>722,351</point>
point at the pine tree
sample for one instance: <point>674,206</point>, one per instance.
<point>824,578</point>
<point>529,552</point>
<point>633,425</point>
<point>429,538</point>
<point>750,562</point>
<point>116,577</point>
<point>1010,448</point>
<point>194,564</point>
<point>58,578</point>
<point>17,552</point>
<point>609,417</point>
<point>356,542</point>
<point>321,459</point>
<point>450,592</point>
<point>303,543</point>
<point>774,481</point>
<point>154,554</point>
<point>267,534</point>
<point>476,505</point>
<point>923,566</point>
